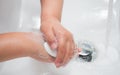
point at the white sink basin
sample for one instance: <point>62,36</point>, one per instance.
<point>86,19</point>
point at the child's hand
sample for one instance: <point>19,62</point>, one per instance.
<point>34,44</point>
<point>22,44</point>
<point>59,39</point>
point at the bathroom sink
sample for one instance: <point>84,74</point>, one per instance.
<point>86,19</point>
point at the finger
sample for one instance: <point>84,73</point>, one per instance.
<point>51,39</point>
<point>69,53</point>
<point>74,47</point>
<point>61,52</point>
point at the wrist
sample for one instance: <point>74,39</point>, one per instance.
<point>26,43</point>
<point>31,43</point>
<point>48,18</point>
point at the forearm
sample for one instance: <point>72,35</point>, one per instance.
<point>11,46</point>
<point>51,9</point>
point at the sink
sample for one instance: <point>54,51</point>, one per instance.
<point>86,19</point>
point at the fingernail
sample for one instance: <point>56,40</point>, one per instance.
<point>79,49</point>
<point>58,64</point>
<point>54,46</point>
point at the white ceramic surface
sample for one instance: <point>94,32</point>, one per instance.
<point>86,19</point>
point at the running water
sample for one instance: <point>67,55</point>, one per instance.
<point>113,25</point>
<point>109,23</point>
<point>108,52</point>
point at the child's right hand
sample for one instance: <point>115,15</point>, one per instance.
<point>22,44</point>
<point>35,48</point>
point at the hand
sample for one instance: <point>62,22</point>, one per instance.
<point>33,45</point>
<point>58,39</point>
